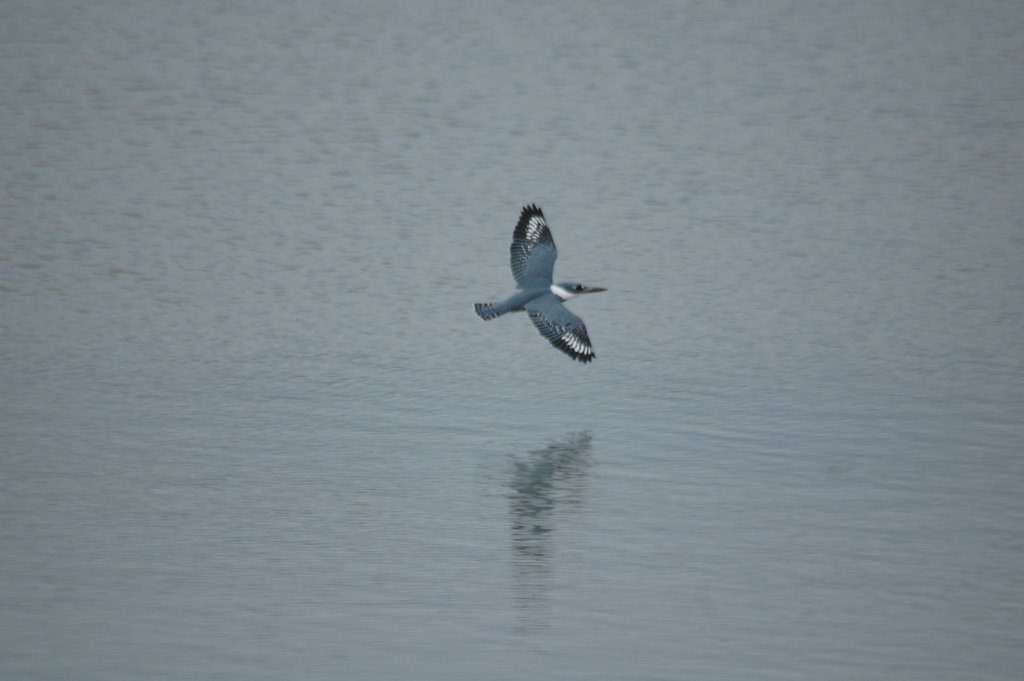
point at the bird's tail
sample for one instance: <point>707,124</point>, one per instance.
<point>487,311</point>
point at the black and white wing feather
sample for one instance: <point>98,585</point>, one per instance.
<point>533,251</point>
<point>561,327</point>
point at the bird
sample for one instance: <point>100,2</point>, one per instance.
<point>533,255</point>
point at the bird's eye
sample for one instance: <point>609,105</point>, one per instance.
<point>579,287</point>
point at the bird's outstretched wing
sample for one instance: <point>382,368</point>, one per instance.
<point>561,327</point>
<point>533,250</point>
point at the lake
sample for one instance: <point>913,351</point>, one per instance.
<point>250,427</point>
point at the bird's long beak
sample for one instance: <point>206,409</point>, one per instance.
<point>592,289</point>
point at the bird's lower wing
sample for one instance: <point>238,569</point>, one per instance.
<point>561,327</point>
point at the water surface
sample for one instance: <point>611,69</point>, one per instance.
<point>251,429</point>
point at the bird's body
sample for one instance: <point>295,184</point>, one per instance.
<point>533,255</point>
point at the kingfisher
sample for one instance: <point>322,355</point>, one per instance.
<point>533,255</point>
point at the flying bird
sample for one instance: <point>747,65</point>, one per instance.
<point>533,255</point>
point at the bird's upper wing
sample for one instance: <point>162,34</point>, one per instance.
<point>533,250</point>
<point>561,327</point>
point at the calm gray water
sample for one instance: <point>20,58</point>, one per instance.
<point>251,429</point>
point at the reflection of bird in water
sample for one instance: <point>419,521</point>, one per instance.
<point>552,477</point>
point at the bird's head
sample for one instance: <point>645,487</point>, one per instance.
<point>570,289</point>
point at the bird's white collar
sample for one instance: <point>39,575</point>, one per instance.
<point>561,292</point>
